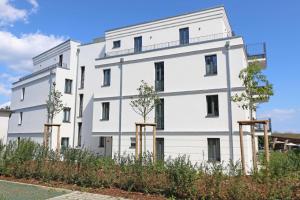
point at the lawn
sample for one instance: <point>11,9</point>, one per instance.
<point>18,191</point>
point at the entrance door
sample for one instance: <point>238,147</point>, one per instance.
<point>108,147</point>
<point>160,148</point>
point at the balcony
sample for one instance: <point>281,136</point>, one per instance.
<point>260,127</point>
<point>176,43</point>
<point>257,53</point>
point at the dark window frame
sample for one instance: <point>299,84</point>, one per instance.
<point>116,44</point>
<point>68,86</point>
<point>102,141</point>
<point>132,142</point>
<point>184,36</point>
<point>80,105</point>
<point>106,77</point>
<point>212,103</point>
<point>82,77</point>
<point>105,111</point>
<point>138,44</point>
<point>23,90</point>
<point>79,136</point>
<point>62,144</point>
<point>160,110</point>
<point>213,155</point>
<point>159,76</point>
<point>60,60</point>
<point>211,65</point>
<point>65,110</point>
<point>20,118</point>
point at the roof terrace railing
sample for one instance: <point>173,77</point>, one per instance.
<point>171,44</point>
<point>256,51</point>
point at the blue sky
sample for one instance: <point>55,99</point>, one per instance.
<point>28,27</point>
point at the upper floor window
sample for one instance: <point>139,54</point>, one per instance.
<point>159,115</point>
<point>22,94</point>
<point>159,76</point>
<point>68,86</point>
<point>212,105</point>
<point>80,105</point>
<point>67,113</point>
<point>214,154</point>
<point>20,118</point>
<point>106,77</point>
<point>82,75</point>
<point>60,60</point>
<point>117,44</point>
<point>184,35</point>
<point>211,64</point>
<point>138,43</point>
<point>105,111</point>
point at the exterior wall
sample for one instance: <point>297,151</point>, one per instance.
<point>4,117</point>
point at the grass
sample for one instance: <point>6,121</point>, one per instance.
<point>19,191</point>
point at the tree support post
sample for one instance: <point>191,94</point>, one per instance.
<point>242,149</point>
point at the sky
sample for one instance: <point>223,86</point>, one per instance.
<point>29,27</point>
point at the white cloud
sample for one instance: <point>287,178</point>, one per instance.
<point>34,4</point>
<point>10,14</point>
<point>280,114</point>
<point>16,52</point>
<point>4,90</point>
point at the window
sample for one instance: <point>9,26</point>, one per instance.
<point>184,35</point>
<point>106,77</point>
<point>22,94</point>
<point>159,76</point>
<point>212,105</point>
<point>67,112</point>
<point>20,118</point>
<point>138,43</point>
<point>105,111</point>
<point>60,61</point>
<point>159,115</point>
<point>68,86</point>
<point>102,142</point>
<point>80,105</point>
<point>117,44</point>
<point>64,142</point>
<point>213,149</point>
<point>132,142</point>
<point>79,134</point>
<point>211,64</point>
<point>82,75</point>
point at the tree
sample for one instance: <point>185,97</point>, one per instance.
<point>145,102</point>
<point>257,90</point>
<point>54,103</point>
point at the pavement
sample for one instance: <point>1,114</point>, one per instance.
<point>84,196</point>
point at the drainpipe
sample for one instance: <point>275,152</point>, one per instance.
<point>227,47</point>
<point>75,102</point>
<point>120,106</point>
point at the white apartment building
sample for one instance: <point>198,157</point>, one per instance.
<point>4,117</point>
<point>193,60</point>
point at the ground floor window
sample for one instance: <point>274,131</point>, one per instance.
<point>64,142</point>
<point>132,142</point>
<point>214,149</point>
<point>101,142</point>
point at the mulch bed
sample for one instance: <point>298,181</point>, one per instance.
<point>115,192</point>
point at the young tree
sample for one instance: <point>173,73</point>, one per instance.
<point>54,103</point>
<point>257,90</point>
<point>145,102</point>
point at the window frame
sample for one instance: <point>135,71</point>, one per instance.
<point>80,111</point>
<point>105,111</point>
<point>102,141</point>
<point>23,90</point>
<point>183,33</point>
<point>215,112</point>
<point>138,44</point>
<point>61,142</point>
<point>67,86</point>
<point>60,60</point>
<point>106,83</point>
<point>82,77</point>
<point>132,143</point>
<point>213,69</point>
<point>20,122</point>
<point>116,42</point>
<point>161,121</point>
<point>159,79</point>
<point>67,109</point>
<point>217,156</point>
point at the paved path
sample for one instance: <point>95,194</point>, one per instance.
<point>84,196</point>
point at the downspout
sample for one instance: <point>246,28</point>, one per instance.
<point>75,102</point>
<point>227,47</point>
<point>120,106</point>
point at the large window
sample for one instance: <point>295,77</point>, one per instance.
<point>22,94</point>
<point>80,105</point>
<point>184,36</point>
<point>82,76</point>
<point>106,77</point>
<point>102,142</point>
<point>138,43</point>
<point>105,111</point>
<point>117,44</point>
<point>67,112</point>
<point>212,105</point>
<point>213,149</point>
<point>211,65</point>
<point>159,76</point>
<point>20,118</point>
<point>68,86</point>
<point>159,115</point>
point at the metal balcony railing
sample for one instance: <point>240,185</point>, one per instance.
<point>256,51</point>
<point>171,44</point>
<point>260,127</point>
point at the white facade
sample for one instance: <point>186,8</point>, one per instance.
<point>182,44</point>
<point>4,117</point>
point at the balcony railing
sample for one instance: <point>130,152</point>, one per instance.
<point>260,127</point>
<point>171,44</point>
<point>256,51</point>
